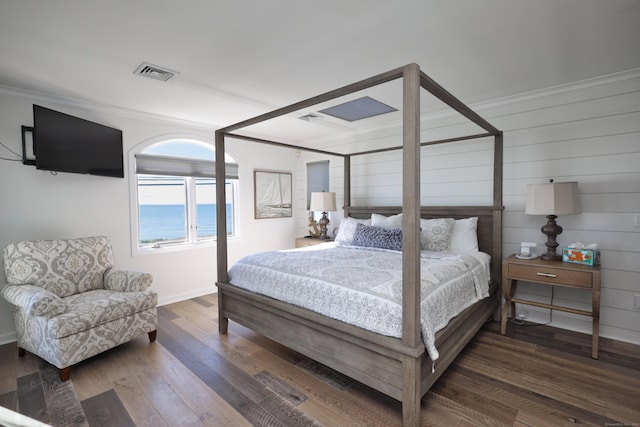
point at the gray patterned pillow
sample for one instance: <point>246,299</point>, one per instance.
<point>378,237</point>
<point>435,234</point>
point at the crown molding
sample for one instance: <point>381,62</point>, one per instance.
<point>505,101</point>
<point>36,96</point>
<point>560,89</point>
<point>31,96</point>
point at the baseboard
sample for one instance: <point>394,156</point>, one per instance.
<point>187,295</point>
<point>8,338</point>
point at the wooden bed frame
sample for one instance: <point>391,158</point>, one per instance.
<point>397,367</point>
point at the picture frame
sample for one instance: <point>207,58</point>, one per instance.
<point>272,194</point>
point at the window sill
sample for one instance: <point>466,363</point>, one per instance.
<point>175,247</point>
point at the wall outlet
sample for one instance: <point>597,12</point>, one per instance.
<point>636,220</point>
<point>636,302</point>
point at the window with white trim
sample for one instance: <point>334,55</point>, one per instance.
<point>317,178</point>
<point>176,194</point>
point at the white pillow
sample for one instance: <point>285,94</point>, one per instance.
<point>435,234</point>
<point>348,228</point>
<point>393,221</point>
<point>465,235</point>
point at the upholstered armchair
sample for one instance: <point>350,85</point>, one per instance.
<point>70,304</point>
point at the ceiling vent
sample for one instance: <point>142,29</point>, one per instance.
<point>311,117</point>
<point>154,72</point>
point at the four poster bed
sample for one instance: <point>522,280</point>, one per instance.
<point>399,366</point>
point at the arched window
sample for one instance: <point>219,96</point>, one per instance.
<point>176,192</point>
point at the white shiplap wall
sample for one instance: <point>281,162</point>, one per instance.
<point>587,132</point>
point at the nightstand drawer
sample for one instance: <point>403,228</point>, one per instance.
<point>557,276</point>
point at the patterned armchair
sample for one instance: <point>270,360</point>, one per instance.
<point>70,304</point>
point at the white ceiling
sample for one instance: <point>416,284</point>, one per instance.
<point>240,58</point>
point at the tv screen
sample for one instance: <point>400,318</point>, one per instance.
<point>65,143</point>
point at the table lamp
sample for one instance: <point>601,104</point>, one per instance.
<point>552,199</point>
<point>323,202</point>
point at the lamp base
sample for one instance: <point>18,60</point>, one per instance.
<point>324,221</point>
<point>551,230</point>
<point>551,257</point>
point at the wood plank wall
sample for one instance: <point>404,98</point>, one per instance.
<point>588,132</point>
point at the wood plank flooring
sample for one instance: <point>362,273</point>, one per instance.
<point>192,376</point>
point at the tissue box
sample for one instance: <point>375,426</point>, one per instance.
<point>581,256</point>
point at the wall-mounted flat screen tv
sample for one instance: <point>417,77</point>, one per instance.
<point>65,143</point>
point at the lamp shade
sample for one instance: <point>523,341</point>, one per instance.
<point>323,202</point>
<point>552,198</point>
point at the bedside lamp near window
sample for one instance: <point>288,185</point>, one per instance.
<point>323,202</point>
<point>552,199</point>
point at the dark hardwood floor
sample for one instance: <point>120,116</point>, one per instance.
<point>534,376</point>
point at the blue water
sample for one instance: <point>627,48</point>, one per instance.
<point>167,222</point>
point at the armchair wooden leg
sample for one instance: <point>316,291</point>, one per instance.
<point>21,352</point>
<point>65,373</point>
<point>152,335</point>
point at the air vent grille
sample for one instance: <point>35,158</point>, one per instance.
<point>310,117</point>
<point>154,72</point>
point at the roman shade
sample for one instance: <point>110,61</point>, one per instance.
<point>149,164</point>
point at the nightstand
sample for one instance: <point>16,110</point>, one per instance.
<point>554,273</point>
<point>301,242</point>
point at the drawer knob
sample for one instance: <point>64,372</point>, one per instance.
<point>546,274</point>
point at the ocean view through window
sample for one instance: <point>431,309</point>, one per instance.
<point>176,189</point>
<point>167,222</point>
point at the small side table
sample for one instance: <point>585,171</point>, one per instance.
<point>302,242</point>
<point>554,273</point>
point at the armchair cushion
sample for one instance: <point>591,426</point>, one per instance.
<point>63,267</point>
<point>94,308</point>
<point>34,301</point>
<point>127,281</point>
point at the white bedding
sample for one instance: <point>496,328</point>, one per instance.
<point>363,286</point>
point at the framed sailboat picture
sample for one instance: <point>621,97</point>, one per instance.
<point>272,191</point>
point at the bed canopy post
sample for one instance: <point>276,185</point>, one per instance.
<point>411,390</point>
<point>496,273</point>
<point>221,227</point>
<point>347,184</point>
<point>411,207</point>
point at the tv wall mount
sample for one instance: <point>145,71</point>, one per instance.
<point>25,160</point>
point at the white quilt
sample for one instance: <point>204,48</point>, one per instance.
<point>363,286</point>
